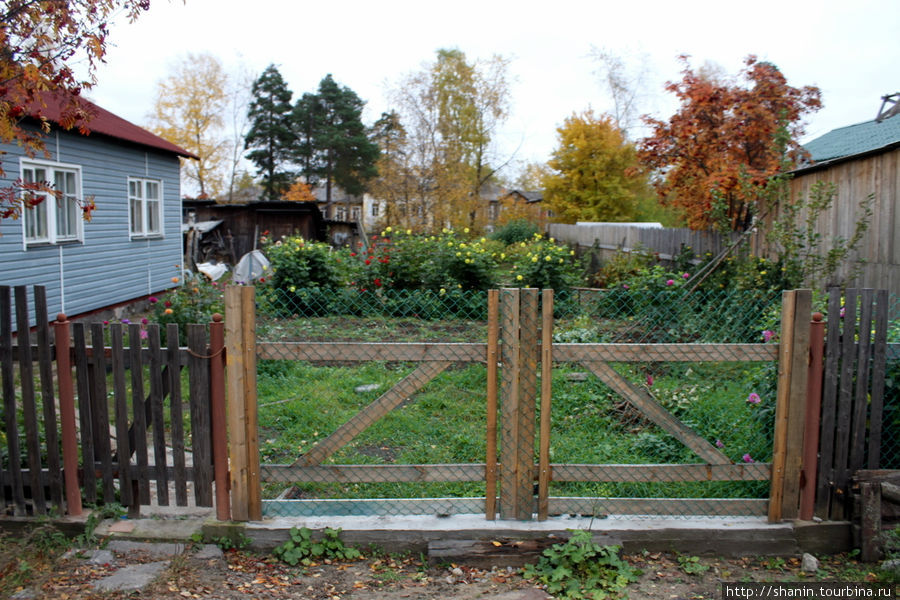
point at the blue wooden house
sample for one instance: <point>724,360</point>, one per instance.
<point>132,246</point>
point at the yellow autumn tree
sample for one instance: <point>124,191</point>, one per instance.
<point>593,174</point>
<point>189,108</point>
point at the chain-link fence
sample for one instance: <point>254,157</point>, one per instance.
<point>359,407</point>
<point>890,440</point>
<point>679,432</point>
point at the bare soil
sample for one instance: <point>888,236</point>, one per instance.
<point>240,575</point>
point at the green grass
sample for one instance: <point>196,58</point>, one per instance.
<point>300,404</point>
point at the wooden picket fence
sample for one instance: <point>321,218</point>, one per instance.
<point>129,432</point>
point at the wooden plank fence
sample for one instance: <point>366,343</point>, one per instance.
<point>123,395</point>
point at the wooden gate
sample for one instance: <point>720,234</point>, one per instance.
<point>520,341</point>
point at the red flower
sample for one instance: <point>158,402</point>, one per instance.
<point>353,254</point>
<point>377,282</point>
<point>167,304</point>
<point>368,262</point>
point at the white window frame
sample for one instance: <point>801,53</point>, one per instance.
<point>355,213</point>
<point>375,209</point>
<point>146,207</point>
<point>53,212</point>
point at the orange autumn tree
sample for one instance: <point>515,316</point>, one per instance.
<point>298,192</point>
<point>713,156</point>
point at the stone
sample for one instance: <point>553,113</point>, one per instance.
<point>131,578</point>
<point>369,387</point>
<point>93,557</point>
<point>208,552</point>
<point>809,563</point>
<point>576,376</point>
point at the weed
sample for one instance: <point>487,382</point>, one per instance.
<point>691,565</point>
<point>580,568</point>
<point>230,542</point>
<point>302,549</point>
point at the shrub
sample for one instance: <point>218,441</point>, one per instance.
<point>194,301</point>
<point>516,231</point>
<point>301,264</point>
<point>543,264</point>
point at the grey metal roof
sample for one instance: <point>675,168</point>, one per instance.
<point>855,139</point>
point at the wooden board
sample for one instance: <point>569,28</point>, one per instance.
<point>85,419</point>
<point>665,352</point>
<point>14,479</point>
<point>651,409</point>
<point>493,357</point>
<point>45,365</point>
<point>29,408</point>
<point>100,413</point>
<point>370,351</point>
<point>380,407</point>
<point>201,427</point>
<point>157,421</point>
<point>176,414</point>
<point>120,395</point>
<point>137,434</point>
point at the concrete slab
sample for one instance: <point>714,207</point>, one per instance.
<point>151,529</point>
<point>726,536</point>
<point>131,578</point>
<point>152,549</point>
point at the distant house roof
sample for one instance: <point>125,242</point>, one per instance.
<point>106,123</point>
<point>529,196</point>
<point>854,140</point>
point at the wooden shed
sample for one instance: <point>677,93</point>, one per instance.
<point>241,226</point>
<point>861,160</point>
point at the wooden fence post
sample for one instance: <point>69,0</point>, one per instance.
<point>812,420</point>
<point>787,447</point>
<point>490,472</point>
<point>546,403</point>
<point>509,401</point>
<point>240,342</point>
<point>217,408</point>
<point>67,415</point>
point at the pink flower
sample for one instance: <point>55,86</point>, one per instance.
<point>687,275</point>
<point>670,282</point>
<point>144,321</point>
<point>768,334</point>
<point>754,398</point>
<point>719,444</point>
<point>144,334</point>
<point>106,322</point>
<point>843,311</point>
<point>153,299</point>
<point>649,380</point>
<point>747,458</point>
<point>625,286</point>
<point>126,321</point>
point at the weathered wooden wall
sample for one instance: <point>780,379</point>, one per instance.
<point>877,259</point>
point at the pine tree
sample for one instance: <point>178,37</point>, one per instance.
<point>271,137</point>
<point>333,144</point>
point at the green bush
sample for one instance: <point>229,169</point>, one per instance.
<point>300,264</point>
<point>543,264</point>
<point>516,231</point>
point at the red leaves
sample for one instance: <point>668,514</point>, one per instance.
<point>722,135</point>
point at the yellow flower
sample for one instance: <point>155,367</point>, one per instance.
<point>388,229</point>
<point>466,230</point>
<point>443,291</point>
<point>518,278</point>
<point>409,232</point>
<point>547,258</point>
<point>534,259</point>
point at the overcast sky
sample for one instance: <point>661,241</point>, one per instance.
<point>850,49</point>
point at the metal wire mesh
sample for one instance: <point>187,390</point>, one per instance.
<point>427,440</point>
<point>352,423</point>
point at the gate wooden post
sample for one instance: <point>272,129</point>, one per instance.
<point>519,349</point>
<point>217,419</point>
<point>790,407</point>
<point>240,343</point>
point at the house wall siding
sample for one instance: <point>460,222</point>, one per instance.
<point>108,267</point>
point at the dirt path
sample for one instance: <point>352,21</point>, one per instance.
<point>240,575</point>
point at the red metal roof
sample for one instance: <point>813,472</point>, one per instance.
<point>106,123</point>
